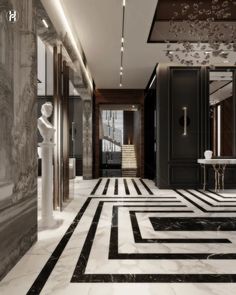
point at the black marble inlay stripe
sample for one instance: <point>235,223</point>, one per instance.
<point>80,276</point>
<point>215,199</point>
<point>126,187</point>
<point>146,187</point>
<point>164,206</point>
<point>190,201</point>
<point>164,211</point>
<point>156,278</point>
<point>193,223</point>
<point>206,202</point>
<point>106,187</point>
<point>43,276</point>
<point>84,255</point>
<point>224,197</point>
<point>134,198</point>
<point>96,187</point>
<point>116,187</point>
<point>138,237</point>
<point>136,187</point>
<point>114,253</point>
<point>200,207</point>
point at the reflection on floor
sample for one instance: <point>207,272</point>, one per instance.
<point>124,235</point>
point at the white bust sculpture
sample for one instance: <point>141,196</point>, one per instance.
<point>46,129</point>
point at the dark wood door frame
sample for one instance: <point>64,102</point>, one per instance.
<point>117,97</point>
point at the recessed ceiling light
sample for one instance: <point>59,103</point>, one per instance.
<point>120,85</point>
<point>207,52</point>
<point>121,73</point>
<point>170,52</point>
<point>123,2</point>
<point>45,23</point>
<point>225,61</point>
<point>121,68</point>
<point>122,48</point>
<point>122,40</point>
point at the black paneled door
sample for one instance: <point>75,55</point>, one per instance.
<point>185,126</point>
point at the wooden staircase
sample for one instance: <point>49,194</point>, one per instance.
<point>129,161</point>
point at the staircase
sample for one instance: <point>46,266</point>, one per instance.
<point>129,162</point>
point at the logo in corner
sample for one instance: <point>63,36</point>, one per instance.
<point>12,16</point>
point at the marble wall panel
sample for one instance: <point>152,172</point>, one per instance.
<point>87,138</point>
<point>18,142</point>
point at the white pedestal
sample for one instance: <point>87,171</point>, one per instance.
<point>72,168</point>
<point>47,219</point>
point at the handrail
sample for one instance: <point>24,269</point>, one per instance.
<point>113,134</point>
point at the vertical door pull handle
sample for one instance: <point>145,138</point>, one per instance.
<point>185,120</point>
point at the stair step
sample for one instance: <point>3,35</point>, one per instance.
<point>129,162</point>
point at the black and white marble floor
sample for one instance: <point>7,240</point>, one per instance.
<point>122,236</point>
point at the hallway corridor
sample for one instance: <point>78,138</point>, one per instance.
<point>121,236</point>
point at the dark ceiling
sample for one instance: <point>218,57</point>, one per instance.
<point>183,15</point>
<point>166,9</point>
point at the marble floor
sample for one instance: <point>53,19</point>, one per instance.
<point>125,236</point>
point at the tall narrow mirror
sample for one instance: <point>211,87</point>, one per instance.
<point>221,107</point>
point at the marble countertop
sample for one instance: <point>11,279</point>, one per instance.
<point>216,161</point>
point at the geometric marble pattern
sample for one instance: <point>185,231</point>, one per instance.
<point>126,236</point>
<point>187,235</point>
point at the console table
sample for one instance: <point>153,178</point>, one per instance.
<point>219,166</point>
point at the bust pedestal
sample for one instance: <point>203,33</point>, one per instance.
<point>47,219</point>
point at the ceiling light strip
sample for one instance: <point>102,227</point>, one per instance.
<point>62,15</point>
<point>122,43</point>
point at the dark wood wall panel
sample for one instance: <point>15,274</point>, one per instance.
<point>61,123</point>
<point>65,131</point>
<point>185,92</point>
<point>149,135</point>
<point>162,148</point>
<point>137,139</point>
<point>227,127</point>
<point>177,153</point>
<point>128,136</point>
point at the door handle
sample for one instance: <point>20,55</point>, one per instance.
<point>185,110</point>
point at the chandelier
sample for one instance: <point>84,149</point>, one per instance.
<point>198,21</point>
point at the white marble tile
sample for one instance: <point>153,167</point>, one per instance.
<point>19,280</point>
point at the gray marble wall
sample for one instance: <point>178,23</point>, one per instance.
<point>87,137</point>
<point>18,165</point>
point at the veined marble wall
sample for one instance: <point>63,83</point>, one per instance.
<point>87,137</point>
<point>18,142</point>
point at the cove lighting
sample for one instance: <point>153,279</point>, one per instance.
<point>45,23</point>
<point>61,13</point>
<point>152,81</point>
